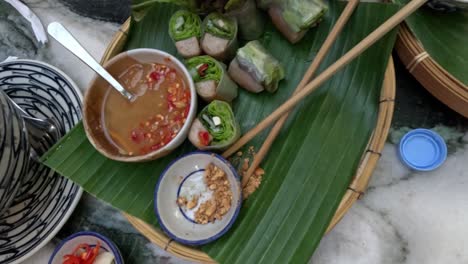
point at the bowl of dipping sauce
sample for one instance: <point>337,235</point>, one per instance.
<point>153,124</point>
<point>86,247</point>
<point>198,198</point>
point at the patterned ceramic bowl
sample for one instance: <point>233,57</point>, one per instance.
<point>45,200</point>
<point>91,239</point>
<point>14,151</point>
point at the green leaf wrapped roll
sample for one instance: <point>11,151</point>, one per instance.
<point>255,69</point>
<point>293,18</point>
<point>219,36</point>
<point>251,21</point>
<point>211,80</point>
<point>185,30</point>
<point>215,128</point>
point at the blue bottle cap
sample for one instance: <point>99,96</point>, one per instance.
<point>423,149</point>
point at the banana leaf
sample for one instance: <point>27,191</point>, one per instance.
<point>444,35</point>
<point>309,166</point>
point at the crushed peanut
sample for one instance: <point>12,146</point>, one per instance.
<point>245,165</point>
<point>192,203</point>
<point>182,201</point>
<point>255,179</point>
<point>219,205</point>
<point>254,182</point>
<point>215,208</point>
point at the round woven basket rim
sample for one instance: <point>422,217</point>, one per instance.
<point>432,76</point>
<point>355,190</point>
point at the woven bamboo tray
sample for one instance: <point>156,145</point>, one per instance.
<point>355,189</point>
<point>429,73</point>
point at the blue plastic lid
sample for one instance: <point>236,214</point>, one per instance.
<point>423,149</point>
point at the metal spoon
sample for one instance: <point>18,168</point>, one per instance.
<point>42,133</point>
<point>59,33</point>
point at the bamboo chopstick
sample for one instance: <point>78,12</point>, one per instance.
<point>373,37</point>
<point>327,44</point>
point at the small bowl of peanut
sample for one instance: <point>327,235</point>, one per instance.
<point>197,198</point>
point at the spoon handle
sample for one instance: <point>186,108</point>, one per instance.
<point>61,34</point>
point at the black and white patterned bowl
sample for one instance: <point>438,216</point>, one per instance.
<point>14,151</point>
<point>45,200</point>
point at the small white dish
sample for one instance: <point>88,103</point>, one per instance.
<point>185,175</point>
<point>70,243</point>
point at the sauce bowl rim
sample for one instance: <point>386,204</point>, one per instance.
<point>181,135</point>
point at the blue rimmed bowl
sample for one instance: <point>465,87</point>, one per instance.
<point>14,151</point>
<point>70,243</point>
<point>184,176</point>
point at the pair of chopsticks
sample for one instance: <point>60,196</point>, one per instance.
<point>307,86</point>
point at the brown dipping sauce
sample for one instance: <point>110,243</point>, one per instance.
<point>155,117</point>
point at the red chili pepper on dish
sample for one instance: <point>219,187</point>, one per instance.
<point>202,69</point>
<point>92,254</point>
<point>83,254</point>
<point>204,137</point>
<point>70,259</point>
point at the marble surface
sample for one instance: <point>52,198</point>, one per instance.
<point>404,217</point>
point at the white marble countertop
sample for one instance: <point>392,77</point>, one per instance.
<point>404,217</point>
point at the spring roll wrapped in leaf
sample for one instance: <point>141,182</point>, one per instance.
<point>255,69</point>
<point>293,18</point>
<point>219,36</point>
<point>215,128</point>
<point>185,31</point>
<point>211,80</point>
<point>250,20</point>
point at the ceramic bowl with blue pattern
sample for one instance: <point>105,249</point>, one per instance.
<point>185,177</point>
<point>70,243</point>
<point>14,151</point>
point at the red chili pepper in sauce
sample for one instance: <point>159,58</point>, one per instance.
<point>186,111</point>
<point>155,147</point>
<point>167,138</point>
<point>137,136</point>
<point>170,105</point>
<point>155,76</point>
